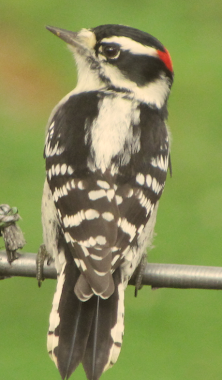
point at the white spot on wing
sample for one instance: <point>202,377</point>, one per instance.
<point>148,180</point>
<point>85,250</point>
<point>95,257</point>
<point>97,194</point>
<point>63,169</point>
<point>103,184</point>
<point>110,194</point>
<point>100,273</point>
<point>70,170</point>
<point>91,214</point>
<point>108,216</point>
<point>128,228</point>
<point>140,179</point>
<point>55,195</point>
<point>49,173</point>
<point>74,220</point>
<point>60,150</point>
<point>161,162</point>
<point>130,193</point>
<point>64,191</point>
<point>100,239</point>
<point>81,185</point>
<point>51,127</point>
<point>53,169</point>
<point>68,186</point>
<point>115,249</point>
<point>68,237</point>
<point>119,199</point>
<point>77,262</point>
<point>51,151</point>
<point>154,162</point>
<point>73,185</point>
<point>144,201</point>
<point>82,265</point>
<point>57,169</point>
<point>88,243</point>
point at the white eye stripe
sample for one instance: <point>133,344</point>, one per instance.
<point>132,46</point>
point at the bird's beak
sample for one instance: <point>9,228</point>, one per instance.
<point>71,38</point>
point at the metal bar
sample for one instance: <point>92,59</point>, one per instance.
<point>155,275</point>
<point>24,266</point>
<point>182,276</point>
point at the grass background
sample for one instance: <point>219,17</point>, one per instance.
<point>169,334</point>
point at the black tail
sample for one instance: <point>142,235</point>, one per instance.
<point>75,325</point>
<point>105,339</point>
<point>89,332</point>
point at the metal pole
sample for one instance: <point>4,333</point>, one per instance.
<point>155,275</point>
<point>182,276</point>
<point>24,266</point>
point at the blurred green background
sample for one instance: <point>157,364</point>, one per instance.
<point>169,334</point>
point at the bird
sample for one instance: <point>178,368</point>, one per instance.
<point>107,155</point>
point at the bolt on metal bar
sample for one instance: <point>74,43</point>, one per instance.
<point>155,275</point>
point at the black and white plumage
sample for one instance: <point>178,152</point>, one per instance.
<point>107,156</point>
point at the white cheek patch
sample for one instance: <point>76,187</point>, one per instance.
<point>154,93</point>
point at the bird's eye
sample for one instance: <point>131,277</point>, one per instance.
<point>111,51</point>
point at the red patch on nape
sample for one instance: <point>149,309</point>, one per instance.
<point>165,57</point>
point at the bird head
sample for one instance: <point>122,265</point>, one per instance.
<point>120,58</point>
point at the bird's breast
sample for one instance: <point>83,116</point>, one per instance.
<point>112,132</point>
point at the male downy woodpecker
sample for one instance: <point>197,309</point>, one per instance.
<point>107,156</point>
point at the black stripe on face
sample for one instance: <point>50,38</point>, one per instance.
<point>140,69</point>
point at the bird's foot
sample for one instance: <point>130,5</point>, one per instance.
<point>42,255</point>
<point>139,274</point>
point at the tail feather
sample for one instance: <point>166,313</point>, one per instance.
<point>67,337</point>
<point>105,339</point>
<point>74,333</point>
<point>54,320</point>
<point>117,330</point>
<point>89,332</point>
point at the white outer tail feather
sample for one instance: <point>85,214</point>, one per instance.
<point>54,319</point>
<point>117,331</point>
